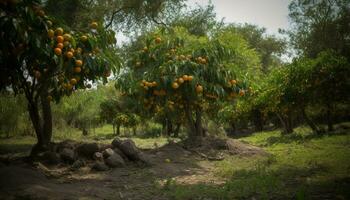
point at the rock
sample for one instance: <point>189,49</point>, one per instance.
<point>115,160</point>
<point>100,166</point>
<point>118,151</point>
<point>128,147</point>
<point>78,164</point>
<point>67,144</point>
<point>108,152</point>
<point>87,150</point>
<point>105,146</point>
<point>67,155</point>
<point>117,142</point>
<point>98,156</point>
<point>50,158</point>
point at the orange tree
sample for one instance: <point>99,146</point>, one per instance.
<point>45,62</point>
<point>175,72</point>
<point>305,82</point>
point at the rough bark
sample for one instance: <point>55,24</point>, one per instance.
<point>258,121</point>
<point>286,123</point>
<point>42,123</point>
<point>329,117</point>
<point>177,130</point>
<point>118,129</point>
<point>309,122</point>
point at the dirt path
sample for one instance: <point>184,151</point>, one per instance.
<point>22,181</point>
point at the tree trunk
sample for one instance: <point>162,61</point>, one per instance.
<point>309,122</point>
<point>233,128</point>
<point>258,121</point>
<point>42,125</point>
<point>118,129</point>
<point>177,130</point>
<point>169,127</point>
<point>329,117</point>
<point>134,130</point>
<point>285,121</point>
<point>113,126</point>
<point>199,128</point>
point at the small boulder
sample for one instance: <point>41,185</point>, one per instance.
<point>98,156</point>
<point>116,143</point>
<point>87,150</point>
<point>78,164</point>
<point>118,151</point>
<point>128,147</point>
<point>50,158</point>
<point>67,144</point>
<point>105,146</point>
<point>108,152</point>
<point>115,160</point>
<point>99,166</point>
<point>67,155</point>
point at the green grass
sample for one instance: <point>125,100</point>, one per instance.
<point>300,166</point>
<point>104,134</point>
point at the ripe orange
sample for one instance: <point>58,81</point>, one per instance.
<point>180,80</point>
<point>158,40</point>
<point>154,84</point>
<point>93,25</point>
<point>58,51</point>
<point>69,54</point>
<point>78,63</point>
<point>84,38</point>
<point>233,82</point>
<point>50,33</point>
<point>190,78</point>
<point>60,39</point>
<point>145,87</point>
<point>185,77</point>
<point>199,88</point>
<point>175,85</point>
<point>77,69</point>
<point>59,31</point>
<point>60,45</point>
<point>73,81</point>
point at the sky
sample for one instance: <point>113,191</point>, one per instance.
<point>271,14</point>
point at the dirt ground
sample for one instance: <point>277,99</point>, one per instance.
<point>19,180</point>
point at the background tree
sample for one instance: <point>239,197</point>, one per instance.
<point>183,72</point>
<point>320,25</point>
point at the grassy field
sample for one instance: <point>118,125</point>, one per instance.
<point>23,144</point>
<point>300,166</point>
